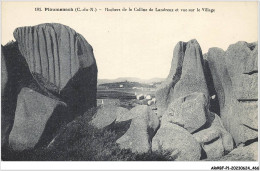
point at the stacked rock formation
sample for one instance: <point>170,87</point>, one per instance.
<point>235,76</point>
<point>188,129</point>
<point>144,124</point>
<point>62,61</point>
<point>60,83</point>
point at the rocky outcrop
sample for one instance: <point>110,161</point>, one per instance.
<point>250,152</point>
<point>108,114</point>
<point>235,76</point>
<point>54,61</point>
<point>54,51</point>
<point>164,94</point>
<point>36,119</point>
<point>15,76</point>
<point>54,71</point>
<point>186,75</point>
<point>189,112</point>
<point>183,98</point>
<point>61,61</point>
<point>138,137</point>
<point>178,141</point>
<point>215,140</point>
<point>183,103</point>
<point>192,74</point>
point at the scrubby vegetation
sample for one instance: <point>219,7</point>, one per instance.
<point>80,141</point>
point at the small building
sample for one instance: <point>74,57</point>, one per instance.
<point>121,86</point>
<point>148,97</point>
<point>150,102</point>
<point>140,97</point>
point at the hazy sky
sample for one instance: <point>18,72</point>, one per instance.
<point>140,44</point>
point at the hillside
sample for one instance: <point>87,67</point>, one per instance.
<point>130,79</point>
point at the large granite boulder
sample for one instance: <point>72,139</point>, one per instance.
<point>214,140</point>
<point>189,112</point>
<point>61,61</point>
<point>235,76</point>
<point>108,114</point>
<point>37,117</point>
<point>192,75</point>
<point>178,141</point>
<point>15,75</point>
<point>138,137</point>
<point>186,75</point>
<point>53,60</point>
<point>249,152</point>
<point>165,91</point>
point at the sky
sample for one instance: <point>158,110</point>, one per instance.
<point>140,44</point>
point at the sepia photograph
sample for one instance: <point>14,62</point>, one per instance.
<point>169,83</point>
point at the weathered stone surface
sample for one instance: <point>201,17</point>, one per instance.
<point>241,57</point>
<point>235,77</point>
<point>214,149</point>
<point>249,152</point>
<point>241,63</point>
<point>165,92</point>
<point>178,141</point>
<point>34,117</point>
<point>218,72</point>
<point>55,51</point>
<point>214,138</point>
<point>108,114</point>
<point>192,75</point>
<point>4,74</point>
<point>186,75</point>
<point>4,79</point>
<point>143,127</point>
<point>15,76</point>
<point>61,61</point>
<point>245,88</point>
<point>124,114</point>
<point>217,123</point>
<point>189,112</point>
<point>183,100</point>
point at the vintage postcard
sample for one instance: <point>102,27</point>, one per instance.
<point>174,84</point>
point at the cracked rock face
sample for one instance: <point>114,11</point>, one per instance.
<point>61,61</point>
<point>144,124</point>
<point>54,51</point>
<point>108,114</point>
<point>189,112</point>
<point>54,61</point>
<point>183,98</point>
<point>183,103</point>
<point>34,118</point>
<point>178,141</point>
<point>235,77</point>
<point>214,140</point>
<point>186,75</point>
